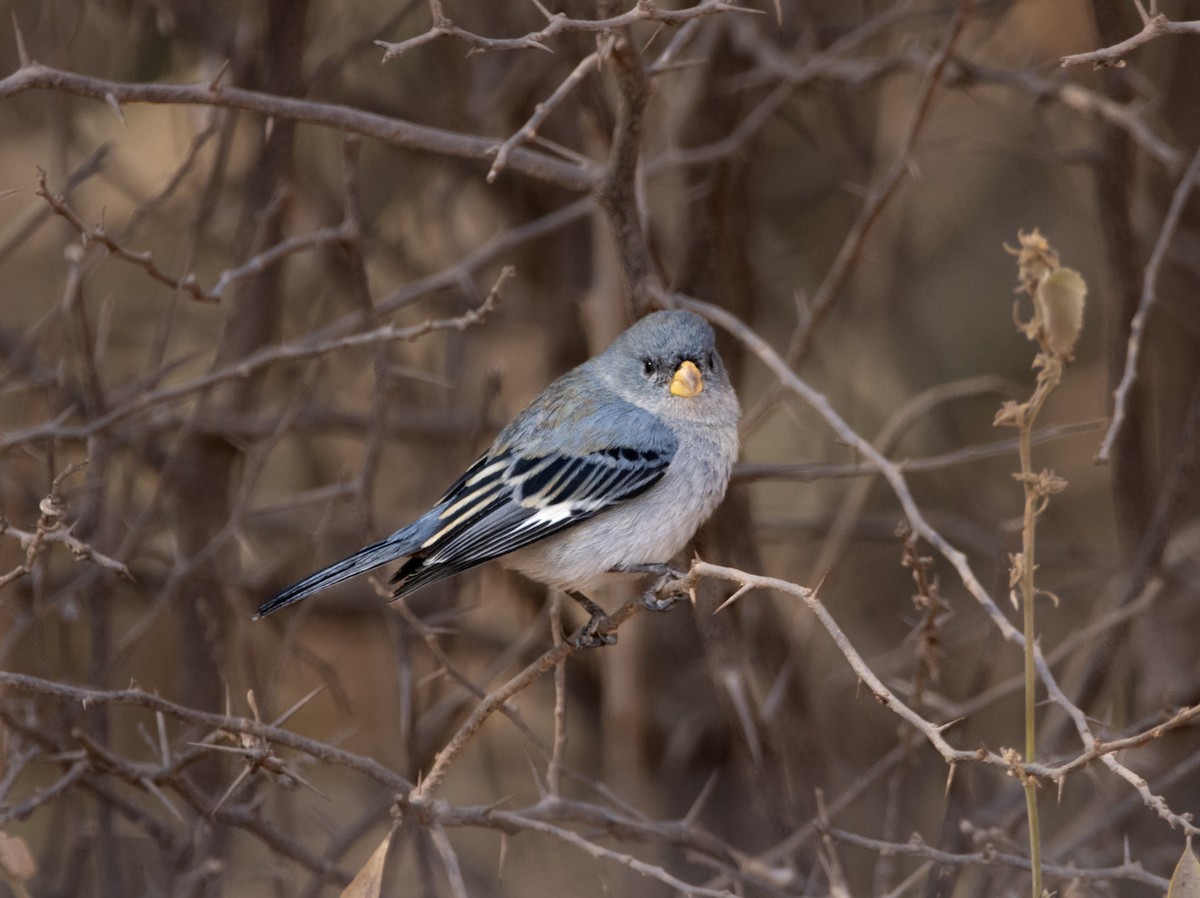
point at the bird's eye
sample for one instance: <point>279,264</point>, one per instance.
<point>647,367</point>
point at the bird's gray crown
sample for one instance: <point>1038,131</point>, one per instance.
<point>670,333</point>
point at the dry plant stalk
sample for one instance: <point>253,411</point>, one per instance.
<point>1058,298</point>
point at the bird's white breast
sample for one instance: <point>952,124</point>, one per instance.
<point>649,529</point>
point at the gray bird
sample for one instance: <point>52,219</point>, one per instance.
<point>610,470</point>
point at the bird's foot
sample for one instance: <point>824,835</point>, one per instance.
<point>652,601</point>
<point>592,636</point>
<point>595,632</point>
<point>669,589</point>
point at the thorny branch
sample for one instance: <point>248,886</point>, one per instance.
<point>52,527</point>
<point>304,348</point>
<point>346,119</point>
<point>98,234</point>
<point>1153,27</point>
<point>958,559</point>
<point>557,23</point>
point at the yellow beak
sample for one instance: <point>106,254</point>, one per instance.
<point>687,381</point>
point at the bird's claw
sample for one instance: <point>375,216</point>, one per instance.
<point>592,636</point>
<point>668,590</point>
<point>652,602</point>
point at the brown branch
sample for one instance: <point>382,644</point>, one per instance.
<point>617,192</point>
<point>188,283</point>
<point>808,473</point>
<point>497,698</point>
<point>23,225</point>
<point>882,192</point>
<point>957,558</point>
<point>1149,298</point>
<point>139,698</point>
<point>263,358</point>
<point>916,408</point>
<point>558,23</point>
<point>541,112</point>
<point>52,527</point>
<point>1153,27</point>
<point>98,234</point>
<point>1180,718</point>
<point>959,72</point>
<point>823,300</point>
<point>21,811</point>
<point>547,814</point>
<point>540,166</point>
<point>990,857</point>
<point>881,693</point>
<point>1127,117</point>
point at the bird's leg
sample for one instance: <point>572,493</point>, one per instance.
<point>590,636</point>
<point>653,598</point>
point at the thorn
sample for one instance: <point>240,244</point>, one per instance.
<point>735,688</point>
<point>22,53</point>
<point>287,771</point>
<point>215,84</point>
<point>245,772</point>
<point>283,718</point>
<point>164,746</point>
<point>543,787</point>
<point>253,703</point>
<point>742,590</point>
<point>111,99</point>
<point>150,786</point>
<point>689,819</point>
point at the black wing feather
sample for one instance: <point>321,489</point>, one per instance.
<point>531,498</point>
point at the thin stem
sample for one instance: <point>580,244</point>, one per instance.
<point>1048,379</point>
<point>1027,593</point>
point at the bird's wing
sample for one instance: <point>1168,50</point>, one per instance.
<point>509,499</point>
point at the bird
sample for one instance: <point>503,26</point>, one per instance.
<point>608,472</point>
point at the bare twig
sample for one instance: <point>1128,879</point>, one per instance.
<point>920,405</point>
<point>915,847</point>
<point>139,698</point>
<point>496,699</point>
<point>874,204</point>
<point>1121,396</point>
<point>52,527</point>
<point>302,349</point>
<point>343,118</point>
<point>1152,27</point>
<point>643,11</point>
<point>189,284</point>
<point>958,560</point>
<point>967,455</point>
<point>529,130</point>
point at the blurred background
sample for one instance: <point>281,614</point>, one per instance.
<point>239,199</point>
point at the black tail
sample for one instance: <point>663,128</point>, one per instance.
<point>360,562</point>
